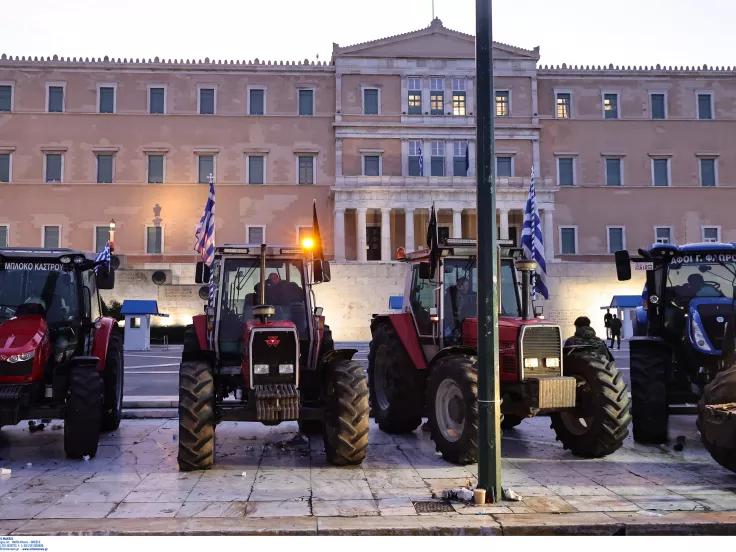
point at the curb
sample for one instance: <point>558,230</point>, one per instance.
<point>150,413</point>
<point>165,401</point>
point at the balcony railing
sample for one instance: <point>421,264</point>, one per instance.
<point>502,182</point>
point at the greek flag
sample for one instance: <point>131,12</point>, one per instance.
<point>103,256</point>
<point>205,235</point>
<point>421,160</point>
<point>532,242</point>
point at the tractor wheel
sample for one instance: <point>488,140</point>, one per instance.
<point>196,416</point>
<point>191,341</point>
<point>83,412</point>
<point>311,427</point>
<point>452,404</point>
<point>510,421</point>
<point>721,390</point>
<point>650,365</point>
<point>599,423</point>
<point>396,386</point>
<point>113,376</point>
<point>347,413</point>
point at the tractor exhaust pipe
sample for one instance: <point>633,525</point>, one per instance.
<point>526,268</point>
<point>263,311</point>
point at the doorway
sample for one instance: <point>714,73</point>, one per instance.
<point>373,241</point>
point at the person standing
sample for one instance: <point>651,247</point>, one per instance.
<point>585,335</point>
<point>607,322</point>
<point>616,331</point>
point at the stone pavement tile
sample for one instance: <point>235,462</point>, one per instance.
<point>77,510</point>
<point>169,481</point>
<point>213,509</point>
<point>664,501</point>
<point>396,507</point>
<point>547,504</point>
<point>299,525</point>
<point>221,489</point>
<point>338,473</point>
<point>347,508</point>
<point>350,489</point>
<point>619,479</point>
<point>473,510</point>
<point>724,500</point>
<point>284,461</point>
<point>643,489</point>
<point>61,482</point>
<point>285,508</point>
<point>576,480</point>
<point>98,492</point>
<point>145,510</point>
<point>409,525</point>
<point>7,527</point>
<point>105,526</point>
<point>12,481</point>
<point>674,523</point>
<point>31,497</point>
<point>386,460</point>
<point>445,472</point>
<point>414,493</point>
<point>156,496</point>
<point>580,490</point>
<point>122,478</point>
<point>603,503</point>
<point>10,511</point>
<point>266,494</point>
<point>283,479</point>
<point>703,488</point>
<point>386,479</point>
<point>579,523</point>
<point>519,507</point>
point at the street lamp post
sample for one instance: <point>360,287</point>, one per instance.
<point>112,235</point>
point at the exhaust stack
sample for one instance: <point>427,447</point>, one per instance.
<point>263,311</point>
<point>526,268</point>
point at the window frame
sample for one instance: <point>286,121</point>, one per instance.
<point>573,158</point>
<point>513,163</point>
<point>466,145</point>
<point>616,93</point>
<point>620,160</point>
<point>559,91</point>
<point>11,84</point>
<point>214,165</point>
<point>6,225</point>
<point>45,167</point>
<point>247,168</point>
<point>314,167</point>
<point>9,153</point>
<point>114,86</point>
<point>380,163</point>
<point>299,91</point>
<point>248,90</point>
<point>299,227</point>
<point>433,156</point>
<point>94,237</point>
<point>669,171</point>
<point>363,89</point>
<point>410,91</point>
<point>651,104</point>
<point>495,102</point>
<point>145,237</point>
<point>247,232</point>
<point>440,90</point>
<point>165,88</point>
<point>61,85</point>
<point>409,156</point>
<point>201,87</point>
<point>712,95</point>
<point>704,227</point>
<point>43,235</point>
<point>150,154</point>
<point>608,238</point>
<point>713,158</point>
<point>97,166</point>
<point>573,227</point>
<point>671,237</point>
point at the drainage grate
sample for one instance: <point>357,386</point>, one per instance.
<point>432,507</point>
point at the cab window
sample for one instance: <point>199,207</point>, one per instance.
<point>90,285</point>
<point>422,299</point>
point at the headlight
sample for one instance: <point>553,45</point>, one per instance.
<point>552,362</point>
<point>531,362</point>
<point>22,357</point>
<point>698,336</point>
<point>78,259</point>
<point>260,369</point>
<point>65,260</point>
<point>286,368</point>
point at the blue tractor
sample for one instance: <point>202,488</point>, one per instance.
<point>682,349</point>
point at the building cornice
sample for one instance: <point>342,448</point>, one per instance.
<point>564,70</point>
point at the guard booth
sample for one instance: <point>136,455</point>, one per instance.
<point>138,324</point>
<point>624,306</point>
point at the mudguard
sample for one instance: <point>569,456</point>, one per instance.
<point>451,351</point>
<point>200,326</point>
<point>337,354</point>
<point>105,326</point>
<point>403,325</point>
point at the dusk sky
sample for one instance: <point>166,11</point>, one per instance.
<point>625,32</point>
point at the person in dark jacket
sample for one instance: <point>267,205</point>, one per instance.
<point>607,323</point>
<point>585,335</point>
<point>616,331</point>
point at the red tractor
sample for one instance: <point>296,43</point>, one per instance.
<point>59,356</point>
<point>263,353</point>
<point>422,361</point>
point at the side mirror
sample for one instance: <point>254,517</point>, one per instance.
<point>623,266</point>
<point>105,277</point>
<point>321,271</point>
<point>538,310</point>
<point>202,273</point>
<point>424,271</point>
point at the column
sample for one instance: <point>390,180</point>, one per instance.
<point>405,158</point>
<point>404,95</point>
<point>338,156</point>
<point>504,216</point>
<point>409,230</point>
<point>427,158</point>
<point>535,159</point>
<point>339,234</point>
<point>535,104</point>
<point>362,238</point>
<point>470,97</point>
<point>457,223</point>
<point>448,96</point>
<point>425,95</point>
<point>471,157</point>
<point>338,98</point>
<point>449,157</point>
<point>385,234</point>
<point>549,235</point>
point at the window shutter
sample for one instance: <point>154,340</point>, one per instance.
<point>256,102</point>
<point>155,169</point>
<point>157,100</point>
<point>370,100</point>
<point>4,167</point>
<point>255,169</point>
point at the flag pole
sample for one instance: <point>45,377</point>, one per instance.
<point>489,407</point>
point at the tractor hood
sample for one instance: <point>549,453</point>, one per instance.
<point>21,335</point>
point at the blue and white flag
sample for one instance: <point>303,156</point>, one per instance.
<point>205,235</point>
<point>103,256</point>
<point>421,160</point>
<point>532,242</point>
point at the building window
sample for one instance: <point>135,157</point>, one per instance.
<point>154,240</point>
<point>610,105</point>
<point>54,167</point>
<point>415,154</point>
<point>707,172</point>
<point>306,102</point>
<point>613,172</point>
<point>371,165</point>
<point>106,99</point>
<point>6,97</point>
<point>206,101</point>
<point>257,103</point>
<point>155,169</point>
<point>438,159</point>
<point>415,96</point>
<point>504,166</point>
<point>566,171</point>
<point>104,168</point>
<point>102,236</point>
<point>658,105</point>
<point>436,96</point>
<point>206,168</point>
<point>503,103</point>
<point>56,99</point>
<point>256,169</point>
<point>255,235</point>
<point>52,237</point>
<point>564,105</point>
<point>568,240</point>
<point>705,106</point>
<point>157,100</point>
<point>661,172</point>
<point>458,96</point>
<point>662,234</point>
<point>459,168</point>
<point>4,167</point>
<point>306,169</point>
<point>370,101</point>
<point>616,239</point>
<point>302,233</point>
<point>711,234</point>
<point>4,235</point>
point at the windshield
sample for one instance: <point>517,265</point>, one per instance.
<point>461,289</point>
<point>38,288</point>
<point>686,281</point>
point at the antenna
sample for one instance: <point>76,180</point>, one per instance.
<point>432,10</point>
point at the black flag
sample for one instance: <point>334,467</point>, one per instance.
<point>467,158</point>
<point>433,242</point>
<point>316,238</point>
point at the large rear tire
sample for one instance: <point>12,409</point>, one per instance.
<point>599,423</point>
<point>650,365</point>
<point>347,413</point>
<point>396,386</point>
<point>83,412</point>
<point>114,379</point>
<point>452,408</point>
<point>191,341</point>
<point>196,416</point>
<point>719,436</point>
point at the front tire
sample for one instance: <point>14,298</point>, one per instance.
<point>598,424</point>
<point>396,386</point>
<point>83,412</point>
<point>452,404</point>
<point>113,376</point>
<point>650,365</point>
<point>347,413</point>
<point>196,416</point>
<point>718,435</point>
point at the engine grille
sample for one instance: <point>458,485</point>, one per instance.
<point>714,329</point>
<point>540,342</point>
<point>16,368</point>
<point>274,347</point>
